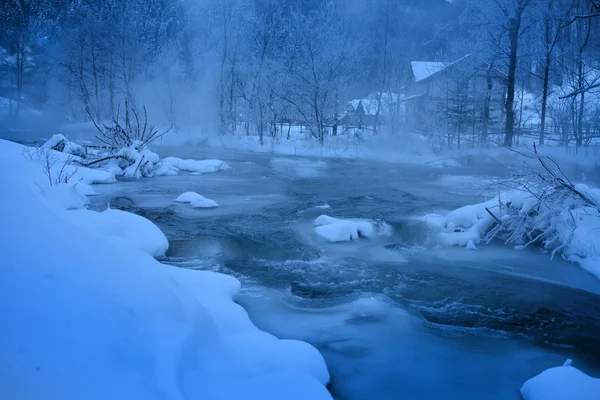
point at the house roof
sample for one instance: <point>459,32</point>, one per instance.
<point>423,70</point>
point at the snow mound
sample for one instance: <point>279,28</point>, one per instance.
<point>85,318</point>
<point>342,230</point>
<point>61,144</point>
<point>65,196</point>
<point>85,189</point>
<point>560,383</point>
<point>187,197</point>
<point>196,200</point>
<point>124,228</point>
<point>198,166</point>
<point>203,202</point>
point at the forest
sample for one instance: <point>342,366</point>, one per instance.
<point>459,73</point>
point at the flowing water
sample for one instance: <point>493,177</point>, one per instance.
<point>395,316</point>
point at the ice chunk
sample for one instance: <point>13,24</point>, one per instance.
<point>341,230</point>
<point>200,166</point>
<point>560,383</point>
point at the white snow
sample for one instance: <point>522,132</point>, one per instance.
<point>342,230</point>
<point>576,229</point>
<point>121,227</point>
<point>187,197</point>
<point>61,143</point>
<point>65,196</point>
<point>87,313</point>
<point>85,189</point>
<point>424,69</point>
<point>196,200</point>
<point>199,166</point>
<point>561,383</point>
<point>203,202</point>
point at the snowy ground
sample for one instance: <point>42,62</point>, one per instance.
<point>88,313</point>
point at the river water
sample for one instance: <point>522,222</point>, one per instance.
<point>394,316</point>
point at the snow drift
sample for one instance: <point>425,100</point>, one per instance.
<point>87,314</point>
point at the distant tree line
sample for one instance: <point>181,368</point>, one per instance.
<point>250,66</point>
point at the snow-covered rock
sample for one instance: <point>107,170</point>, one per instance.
<point>341,230</point>
<point>123,228</point>
<point>198,166</point>
<point>561,383</point>
<point>203,202</point>
<point>196,200</point>
<point>187,197</point>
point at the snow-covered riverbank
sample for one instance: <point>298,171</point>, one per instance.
<point>88,313</point>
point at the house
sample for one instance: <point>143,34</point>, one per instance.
<point>370,112</point>
<point>452,93</point>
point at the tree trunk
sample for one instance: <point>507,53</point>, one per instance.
<point>514,27</point>
<point>486,105</point>
<point>544,98</point>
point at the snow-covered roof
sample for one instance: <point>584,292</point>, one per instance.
<point>424,69</point>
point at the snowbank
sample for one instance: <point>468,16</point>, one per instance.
<point>196,200</point>
<point>61,144</point>
<point>65,196</point>
<point>560,383</point>
<point>566,226</point>
<point>342,230</point>
<point>199,166</point>
<point>87,313</point>
<point>122,227</point>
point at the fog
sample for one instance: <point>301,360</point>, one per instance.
<point>490,71</point>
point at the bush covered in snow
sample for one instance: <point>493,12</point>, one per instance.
<point>132,160</point>
<point>540,206</point>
